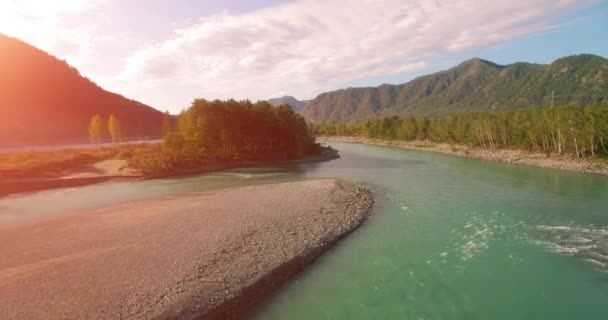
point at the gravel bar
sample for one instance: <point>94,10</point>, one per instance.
<point>212,255</point>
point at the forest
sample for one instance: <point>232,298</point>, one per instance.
<point>582,132</point>
<point>45,101</point>
<point>228,131</point>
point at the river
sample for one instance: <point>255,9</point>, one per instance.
<point>452,238</point>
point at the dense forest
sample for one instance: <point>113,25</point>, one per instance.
<point>475,85</point>
<point>229,131</point>
<point>579,131</point>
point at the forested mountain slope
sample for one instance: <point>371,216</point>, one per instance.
<point>474,85</point>
<point>43,100</point>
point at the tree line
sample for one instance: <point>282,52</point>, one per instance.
<point>229,131</point>
<point>578,131</point>
<point>98,130</point>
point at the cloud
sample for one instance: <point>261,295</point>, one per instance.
<point>49,26</point>
<point>304,47</point>
<point>301,47</point>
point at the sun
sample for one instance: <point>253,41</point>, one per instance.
<point>24,16</point>
<point>38,22</point>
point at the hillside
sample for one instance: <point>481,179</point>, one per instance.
<point>295,104</point>
<point>475,84</point>
<point>43,100</point>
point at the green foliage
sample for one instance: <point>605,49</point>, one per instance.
<point>96,129</point>
<point>167,125</point>
<point>579,131</point>
<point>473,86</point>
<point>153,159</point>
<point>230,131</point>
<point>50,164</point>
<point>115,129</point>
<point>173,141</point>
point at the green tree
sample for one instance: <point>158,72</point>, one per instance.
<point>173,141</point>
<point>232,129</point>
<point>96,129</point>
<point>579,131</point>
<point>115,129</point>
<point>167,125</point>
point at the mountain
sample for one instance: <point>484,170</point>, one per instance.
<point>294,103</point>
<point>43,100</point>
<point>473,85</point>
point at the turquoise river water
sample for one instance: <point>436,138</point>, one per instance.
<point>452,238</point>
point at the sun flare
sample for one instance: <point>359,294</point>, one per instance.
<point>36,19</point>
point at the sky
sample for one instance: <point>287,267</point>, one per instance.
<point>166,53</point>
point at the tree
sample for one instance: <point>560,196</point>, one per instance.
<point>115,129</point>
<point>239,129</point>
<point>579,131</point>
<point>173,141</point>
<point>167,125</point>
<point>96,129</point>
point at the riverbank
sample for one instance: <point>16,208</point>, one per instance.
<point>201,255</point>
<point>563,162</point>
<point>118,170</point>
<point>327,154</point>
<point>81,175</point>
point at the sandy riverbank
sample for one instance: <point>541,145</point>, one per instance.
<point>111,170</point>
<point>213,255</point>
<point>97,172</point>
<point>563,162</point>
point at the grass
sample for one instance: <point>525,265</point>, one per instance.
<point>56,163</point>
<point>602,158</point>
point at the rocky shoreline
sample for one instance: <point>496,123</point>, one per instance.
<point>563,162</point>
<point>76,179</point>
<point>212,255</point>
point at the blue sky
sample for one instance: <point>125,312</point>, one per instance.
<point>165,53</point>
<point>583,31</point>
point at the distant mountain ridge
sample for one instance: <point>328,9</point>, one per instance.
<point>295,104</point>
<point>43,100</point>
<point>473,85</point>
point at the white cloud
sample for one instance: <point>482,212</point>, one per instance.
<point>304,47</point>
<point>46,24</point>
<point>301,47</point>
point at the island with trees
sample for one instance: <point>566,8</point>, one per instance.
<point>207,136</point>
<point>228,132</point>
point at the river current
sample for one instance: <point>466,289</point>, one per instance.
<point>451,238</point>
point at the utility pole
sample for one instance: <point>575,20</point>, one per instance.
<point>552,96</point>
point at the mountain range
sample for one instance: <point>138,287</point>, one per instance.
<point>295,104</point>
<point>474,85</point>
<point>43,100</point>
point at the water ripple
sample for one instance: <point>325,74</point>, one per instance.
<point>589,243</point>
